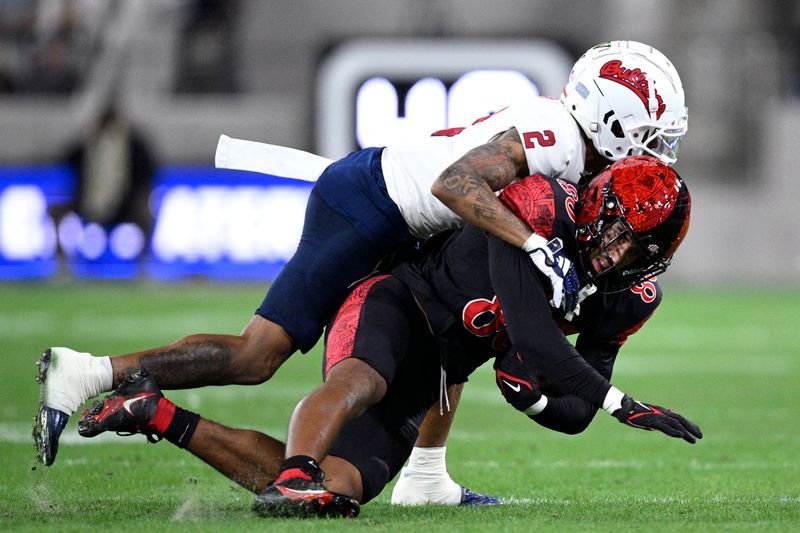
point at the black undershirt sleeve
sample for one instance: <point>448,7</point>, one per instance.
<point>520,291</point>
<point>566,414</point>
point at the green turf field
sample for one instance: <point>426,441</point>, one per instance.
<point>729,361</point>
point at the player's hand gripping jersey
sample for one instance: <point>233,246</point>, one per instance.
<point>550,136</point>
<point>485,297</point>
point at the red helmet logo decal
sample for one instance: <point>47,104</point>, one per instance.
<point>635,80</point>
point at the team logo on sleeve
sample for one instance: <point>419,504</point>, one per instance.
<point>635,80</point>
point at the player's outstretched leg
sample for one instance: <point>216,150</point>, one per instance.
<point>66,379</point>
<point>298,492</point>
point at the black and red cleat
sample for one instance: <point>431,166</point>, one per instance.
<point>128,410</point>
<point>302,498</point>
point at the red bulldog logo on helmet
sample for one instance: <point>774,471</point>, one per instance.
<point>633,79</point>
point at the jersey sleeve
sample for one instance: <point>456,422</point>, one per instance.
<point>531,327</point>
<point>550,137</point>
<point>547,205</point>
<point>566,414</point>
<point>628,312</point>
<point>532,199</point>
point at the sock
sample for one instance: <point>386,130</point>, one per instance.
<point>74,377</point>
<point>428,460</point>
<point>173,423</point>
<point>97,377</point>
<point>425,480</point>
<point>301,466</point>
<point>104,381</point>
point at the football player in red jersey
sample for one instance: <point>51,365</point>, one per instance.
<point>401,339</point>
<point>621,98</point>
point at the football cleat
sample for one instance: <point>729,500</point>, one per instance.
<point>49,422</point>
<point>473,499</point>
<point>128,410</point>
<point>47,428</point>
<point>302,498</point>
<point>66,379</point>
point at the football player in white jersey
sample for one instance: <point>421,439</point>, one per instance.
<point>622,98</point>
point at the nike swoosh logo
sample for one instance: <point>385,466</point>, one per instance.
<point>130,401</point>
<point>513,387</point>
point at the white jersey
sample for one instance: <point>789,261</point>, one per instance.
<point>550,136</point>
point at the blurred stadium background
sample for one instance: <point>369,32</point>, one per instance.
<point>170,76</point>
<point>322,76</point>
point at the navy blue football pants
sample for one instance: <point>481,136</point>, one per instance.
<point>350,224</point>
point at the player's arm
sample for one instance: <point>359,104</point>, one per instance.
<point>536,336</point>
<point>531,327</point>
<point>567,413</point>
<point>467,187</point>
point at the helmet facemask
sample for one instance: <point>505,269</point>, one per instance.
<point>661,142</point>
<point>636,265</point>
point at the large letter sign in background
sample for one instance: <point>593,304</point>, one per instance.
<point>429,106</point>
<point>372,93</point>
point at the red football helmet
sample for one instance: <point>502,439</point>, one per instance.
<point>637,199</point>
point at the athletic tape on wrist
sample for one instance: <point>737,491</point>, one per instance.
<point>538,407</point>
<point>533,242</point>
<point>613,400</point>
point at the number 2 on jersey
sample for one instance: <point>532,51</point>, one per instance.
<point>541,138</point>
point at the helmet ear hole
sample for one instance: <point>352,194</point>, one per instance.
<point>616,129</point>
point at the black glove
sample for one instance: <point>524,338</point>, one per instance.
<point>517,382</point>
<point>652,417</point>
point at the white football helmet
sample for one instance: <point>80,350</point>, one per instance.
<point>628,99</point>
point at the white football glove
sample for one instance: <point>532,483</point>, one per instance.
<point>547,257</point>
<point>584,293</point>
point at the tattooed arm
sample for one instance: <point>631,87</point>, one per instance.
<point>468,187</point>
